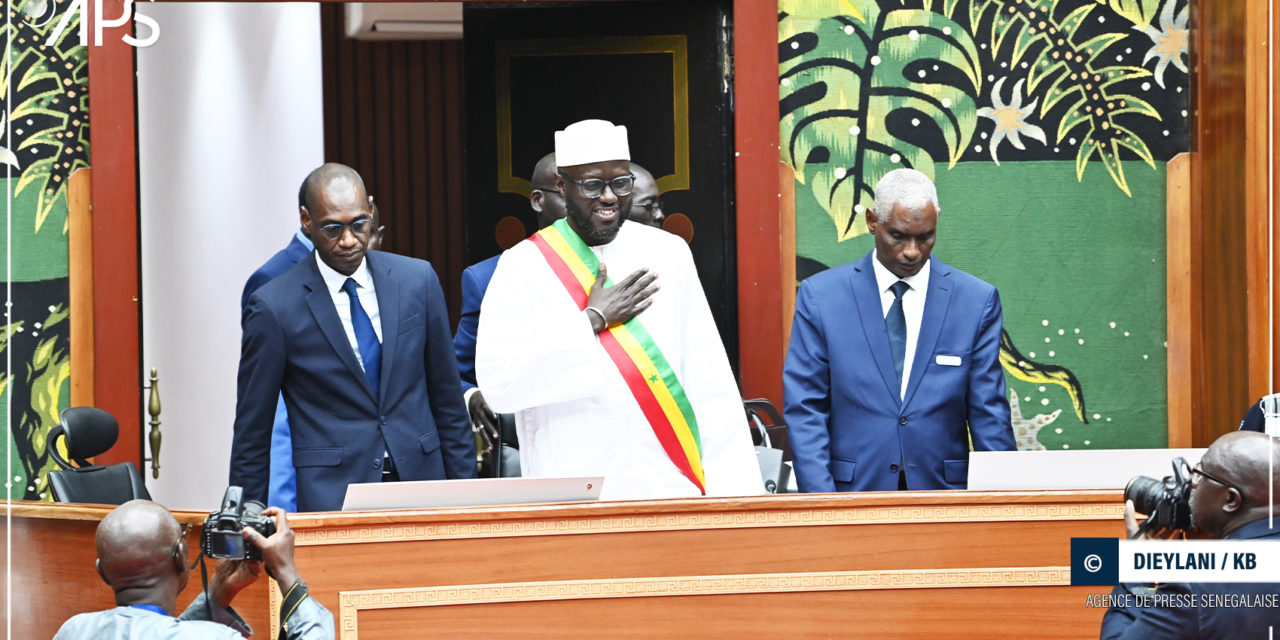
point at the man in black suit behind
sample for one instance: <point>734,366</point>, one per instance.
<point>1229,501</point>
<point>358,342</point>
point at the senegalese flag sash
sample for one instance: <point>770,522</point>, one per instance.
<point>646,371</point>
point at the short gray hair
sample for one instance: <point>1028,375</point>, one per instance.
<point>906,187</point>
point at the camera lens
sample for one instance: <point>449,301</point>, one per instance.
<point>1146,494</point>
<point>253,510</point>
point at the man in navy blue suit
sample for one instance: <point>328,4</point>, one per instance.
<point>548,205</point>
<point>358,342</point>
<point>894,361</point>
<point>1229,501</point>
<point>282,488</point>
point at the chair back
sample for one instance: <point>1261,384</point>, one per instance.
<point>89,432</point>
<point>762,413</point>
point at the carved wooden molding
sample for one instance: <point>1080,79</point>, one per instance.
<point>907,514</point>
<point>274,600</point>
<point>352,602</point>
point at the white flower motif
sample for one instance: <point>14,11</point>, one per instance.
<point>1010,119</point>
<point>6,156</point>
<point>1170,40</point>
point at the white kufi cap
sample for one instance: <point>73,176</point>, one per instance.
<point>591,141</point>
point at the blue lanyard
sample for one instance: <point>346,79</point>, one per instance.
<point>151,607</point>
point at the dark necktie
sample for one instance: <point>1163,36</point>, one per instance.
<point>366,338</point>
<point>896,324</point>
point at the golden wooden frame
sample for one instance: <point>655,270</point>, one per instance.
<point>675,45</point>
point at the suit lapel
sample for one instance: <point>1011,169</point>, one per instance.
<point>388,291</point>
<point>326,315</point>
<point>867,297</point>
<point>936,304</point>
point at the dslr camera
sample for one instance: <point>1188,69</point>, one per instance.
<point>223,533</point>
<point>1167,502</point>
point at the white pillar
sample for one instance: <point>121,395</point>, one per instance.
<point>229,123</point>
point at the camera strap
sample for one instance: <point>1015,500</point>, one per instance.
<point>297,593</point>
<point>204,584</point>
<point>1142,529</point>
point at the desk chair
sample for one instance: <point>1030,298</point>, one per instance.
<point>773,450</point>
<point>90,432</point>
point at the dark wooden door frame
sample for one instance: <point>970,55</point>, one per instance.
<point>117,328</point>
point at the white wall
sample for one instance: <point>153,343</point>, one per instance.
<point>229,123</point>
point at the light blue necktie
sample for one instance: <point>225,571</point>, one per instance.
<point>896,324</point>
<point>366,337</point>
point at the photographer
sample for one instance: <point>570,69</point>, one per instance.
<point>1228,500</point>
<point>142,556</point>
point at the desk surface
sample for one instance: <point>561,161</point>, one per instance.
<point>903,565</point>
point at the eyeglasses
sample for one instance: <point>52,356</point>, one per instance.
<point>548,190</point>
<point>1198,472</point>
<point>656,205</point>
<point>182,538</point>
<point>594,187</point>
<point>359,228</point>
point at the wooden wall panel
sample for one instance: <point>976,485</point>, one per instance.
<point>393,111</point>
<point>1257,240</point>
<point>80,251</point>
<point>977,614</point>
<point>117,315</point>
<point>1271,174</point>
<point>762,287</point>
<point>1180,321</point>
<point>1222,303</point>
<point>884,565</point>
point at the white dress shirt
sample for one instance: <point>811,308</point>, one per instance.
<point>368,299</point>
<point>912,308</point>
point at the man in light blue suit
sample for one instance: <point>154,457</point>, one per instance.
<point>282,490</point>
<point>894,360</point>
<point>548,205</point>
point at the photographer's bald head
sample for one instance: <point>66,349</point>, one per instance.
<point>1230,486</point>
<point>141,554</point>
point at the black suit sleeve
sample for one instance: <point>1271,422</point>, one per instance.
<point>256,280</point>
<point>464,341</point>
<point>1137,622</point>
<point>444,389</point>
<point>262,362</point>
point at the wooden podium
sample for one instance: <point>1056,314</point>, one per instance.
<point>876,565</point>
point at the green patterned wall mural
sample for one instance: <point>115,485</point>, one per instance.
<point>46,139</point>
<point>1046,125</point>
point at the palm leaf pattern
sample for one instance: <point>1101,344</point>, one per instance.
<point>1139,12</point>
<point>1072,80</point>
<point>873,65</point>
<point>49,116</point>
<point>43,86</point>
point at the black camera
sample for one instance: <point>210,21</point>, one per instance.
<point>223,535</point>
<point>1167,502</point>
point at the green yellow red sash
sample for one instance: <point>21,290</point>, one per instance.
<point>646,371</point>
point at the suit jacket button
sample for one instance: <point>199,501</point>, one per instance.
<point>893,468</point>
<point>902,419</point>
<point>377,463</point>
<point>384,420</point>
